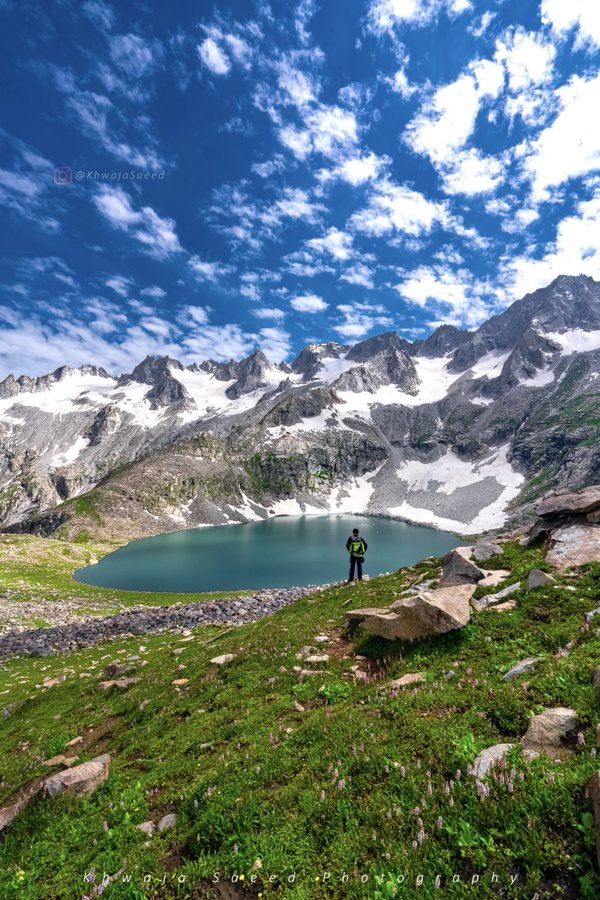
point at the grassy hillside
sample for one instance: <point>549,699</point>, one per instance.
<point>273,773</point>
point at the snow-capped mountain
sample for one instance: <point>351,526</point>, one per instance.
<point>460,430</point>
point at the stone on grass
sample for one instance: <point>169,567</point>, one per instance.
<point>148,828</point>
<point>82,779</point>
<point>404,680</point>
<point>121,684</point>
<point>457,568</point>
<point>488,758</point>
<point>179,682</point>
<point>316,658</point>
<point>547,730</point>
<point>494,577</point>
<point>485,549</point>
<point>574,545</point>
<point>167,822</point>
<point>537,578</point>
<point>321,639</point>
<point>53,682</point>
<point>503,607</point>
<point>592,614</point>
<point>115,669</point>
<point>524,666</point>
<point>491,599</point>
<point>221,660</point>
<point>60,760</point>
<point>427,614</point>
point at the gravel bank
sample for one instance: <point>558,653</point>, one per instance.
<point>148,620</point>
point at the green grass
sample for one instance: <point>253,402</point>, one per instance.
<point>357,781</point>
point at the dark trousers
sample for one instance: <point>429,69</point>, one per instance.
<point>355,563</point>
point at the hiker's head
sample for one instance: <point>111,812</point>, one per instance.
<point>355,531</point>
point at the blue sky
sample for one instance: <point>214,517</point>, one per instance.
<point>200,179</point>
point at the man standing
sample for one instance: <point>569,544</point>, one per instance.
<point>356,547</point>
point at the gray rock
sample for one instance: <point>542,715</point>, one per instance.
<point>167,822</point>
<point>537,578</point>
<point>457,568</point>
<point>427,614</point>
<point>488,758</point>
<point>574,545</point>
<point>524,666</point>
<point>491,599</point>
<point>81,779</point>
<point>547,730</point>
<point>580,502</point>
<point>485,549</point>
<point>148,828</point>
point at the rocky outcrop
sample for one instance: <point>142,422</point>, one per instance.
<point>457,568</point>
<point>83,779</point>
<point>567,524</point>
<point>548,731</point>
<point>426,614</point>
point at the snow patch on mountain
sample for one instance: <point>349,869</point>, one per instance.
<point>575,340</point>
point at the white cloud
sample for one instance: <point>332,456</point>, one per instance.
<point>454,294</point>
<point>213,57</point>
<point>308,303</point>
<point>275,343</point>
<point>268,312</point>
<point>386,15</point>
<point>336,243</point>
<point>473,173</point>
<point>359,274</point>
<point>156,234</point>
<point>397,208</point>
<point>575,251</point>
<point>565,15</point>
<point>153,291</point>
<point>527,57</point>
<point>570,146</point>
<point>120,284</point>
<point>135,56</point>
<point>205,270</point>
<point>360,318</point>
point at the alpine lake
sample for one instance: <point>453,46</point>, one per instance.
<point>284,551</point>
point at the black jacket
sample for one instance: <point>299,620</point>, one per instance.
<point>359,538</point>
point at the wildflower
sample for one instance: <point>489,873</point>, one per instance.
<point>235,849</point>
<point>341,784</point>
<point>439,822</point>
<point>457,774</point>
<point>551,777</point>
<point>421,836</point>
<point>593,753</point>
<point>322,795</point>
<point>414,845</point>
<point>403,771</point>
<point>580,738</point>
<point>451,801</point>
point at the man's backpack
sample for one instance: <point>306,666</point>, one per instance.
<point>357,548</point>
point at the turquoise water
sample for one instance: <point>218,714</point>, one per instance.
<point>278,552</point>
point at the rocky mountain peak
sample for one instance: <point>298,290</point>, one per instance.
<point>152,368</point>
<point>443,340</point>
<point>380,343</point>
<point>308,363</point>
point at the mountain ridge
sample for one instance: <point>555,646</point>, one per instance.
<point>449,431</point>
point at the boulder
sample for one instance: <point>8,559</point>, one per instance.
<point>496,576</point>
<point>427,614</point>
<point>537,578</point>
<point>167,822</point>
<point>81,779</point>
<point>580,502</point>
<point>404,680</point>
<point>485,549</point>
<point>121,684</point>
<point>574,545</point>
<point>491,599</point>
<point>547,730</point>
<point>488,758</point>
<point>457,568</point>
<point>317,658</point>
<point>221,660</point>
<point>524,666</point>
<point>592,791</point>
<point>503,607</point>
